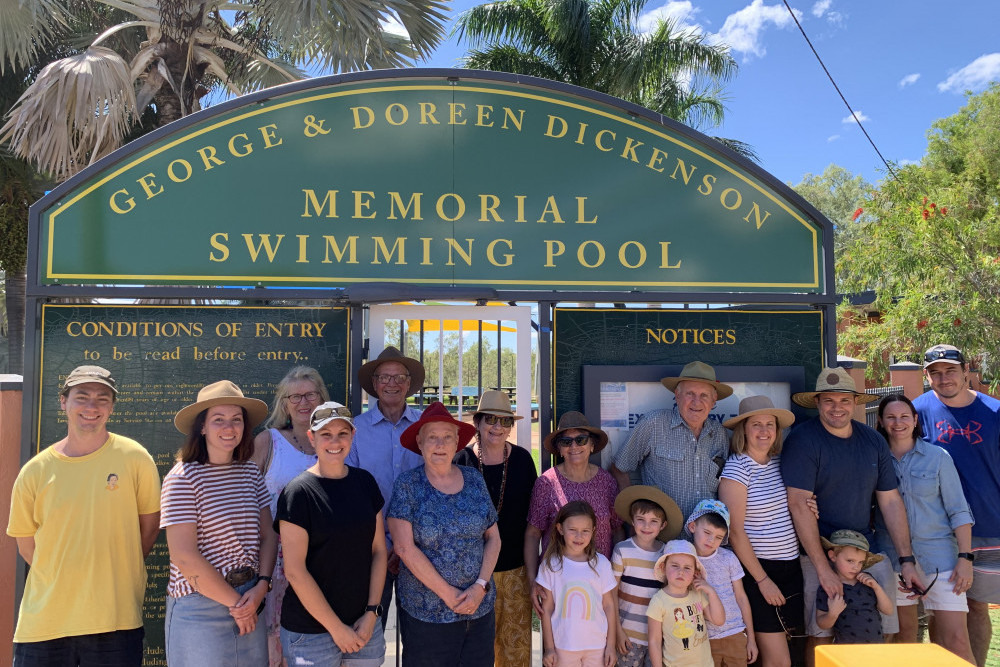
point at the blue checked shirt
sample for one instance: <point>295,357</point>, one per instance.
<point>665,452</point>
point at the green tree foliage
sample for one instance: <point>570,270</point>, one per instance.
<point>930,244</point>
<point>838,195</point>
<point>597,44</point>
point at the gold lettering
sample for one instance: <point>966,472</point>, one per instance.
<point>456,109</point>
<point>552,250</point>
<point>600,144</point>
<point>396,201</point>
<point>187,168</point>
<point>453,245</point>
<point>363,204</point>
<point>582,259</point>
<point>517,121</point>
<point>427,110</point>
<point>685,175</point>
<point>581,133</point>
<point>520,208</point>
<point>459,202</point>
<point>665,256</point>
<point>396,105</point>
<point>483,112</point>
<point>351,245</point>
<point>725,194</point>
<point>118,208</point>
<point>551,127</point>
<point>426,242</point>
<point>208,158</point>
<point>656,159</point>
<point>624,261</point>
<point>267,131</point>
<point>399,244</point>
<point>303,238</point>
<point>730,336</point>
<point>357,117</point>
<point>581,215</point>
<point>491,255</point>
<point>551,208</point>
<point>629,150</point>
<point>488,205</point>
<point>247,147</point>
<point>265,244</point>
<point>218,241</point>
<point>329,203</point>
<point>148,187</point>
<point>755,212</point>
<point>706,187</point>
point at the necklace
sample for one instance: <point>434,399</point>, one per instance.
<point>299,447</point>
<point>503,479</point>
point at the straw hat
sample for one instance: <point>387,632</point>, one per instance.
<point>222,392</point>
<point>698,371</point>
<point>435,412</point>
<point>832,381</point>
<point>415,368</point>
<point>760,405</point>
<point>494,402</point>
<point>577,420</point>
<point>630,494</point>
<point>852,538</point>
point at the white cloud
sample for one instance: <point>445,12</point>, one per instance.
<point>832,138</point>
<point>393,26</point>
<point>680,12</point>
<point>909,80</point>
<point>743,30</point>
<point>973,76</point>
<point>860,117</point>
<point>904,162</point>
<point>820,8</point>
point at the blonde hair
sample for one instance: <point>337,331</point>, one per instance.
<point>738,443</point>
<point>279,414</point>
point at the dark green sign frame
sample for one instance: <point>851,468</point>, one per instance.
<point>436,178</point>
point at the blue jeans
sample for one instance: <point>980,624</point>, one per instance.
<point>200,632</point>
<point>458,644</point>
<point>122,648</point>
<point>320,649</point>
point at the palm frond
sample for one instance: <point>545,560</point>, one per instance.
<point>513,60</point>
<point>25,27</point>
<point>77,110</point>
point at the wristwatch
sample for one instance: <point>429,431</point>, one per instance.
<point>485,584</point>
<point>967,555</point>
<point>375,609</point>
<point>264,577</point>
<point>907,559</point>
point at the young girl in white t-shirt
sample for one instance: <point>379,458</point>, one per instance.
<point>578,599</point>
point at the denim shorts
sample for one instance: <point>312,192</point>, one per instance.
<point>320,649</point>
<point>200,632</point>
<point>122,648</point>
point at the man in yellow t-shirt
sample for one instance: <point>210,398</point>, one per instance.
<point>85,512</point>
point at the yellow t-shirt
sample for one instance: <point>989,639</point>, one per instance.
<point>685,634</point>
<point>87,574</point>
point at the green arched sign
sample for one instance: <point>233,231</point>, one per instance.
<point>431,177</point>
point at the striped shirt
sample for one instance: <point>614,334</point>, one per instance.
<point>768,523</point>
<point>633,568</point>
<point>224,503</point>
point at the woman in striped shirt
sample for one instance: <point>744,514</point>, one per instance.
<point>760,530</point>
<point>213,506</point>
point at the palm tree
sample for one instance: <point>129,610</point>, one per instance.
<point>597,44</point>
<point>167,54</point>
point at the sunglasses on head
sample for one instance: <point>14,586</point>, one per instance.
<point>936,354</point>
<point>326,413</point>
<point>565,441</point>
<point>505,422</point>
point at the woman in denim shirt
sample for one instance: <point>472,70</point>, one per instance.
<point>940,528</point>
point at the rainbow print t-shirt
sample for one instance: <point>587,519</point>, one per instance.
<point>579,622</point>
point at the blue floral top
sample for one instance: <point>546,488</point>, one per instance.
<point>448,530</point>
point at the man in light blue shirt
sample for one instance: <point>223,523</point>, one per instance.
<point>389,380</point>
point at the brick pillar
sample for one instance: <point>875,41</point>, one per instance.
<point>856,369</point>
<point>909,376</point>
<point>11,387</point>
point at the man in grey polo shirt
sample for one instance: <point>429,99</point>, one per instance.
<point>680,451</point>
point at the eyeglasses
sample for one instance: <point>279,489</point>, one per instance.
<point>789,632</point>
<point>916,589</point>
<point>505,422</point>
<point>569,442</point>
<point>386,379</point>
<point>937,353</point>
<point>326,413</point>
<point>309,396</point>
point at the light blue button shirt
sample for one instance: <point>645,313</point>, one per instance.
<point>935,506</point>
<point>376,448</point>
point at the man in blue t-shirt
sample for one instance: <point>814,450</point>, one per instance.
<point>966,424</point>
<point>841,463</point>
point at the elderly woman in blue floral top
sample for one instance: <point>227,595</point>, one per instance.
<point>444,528</point>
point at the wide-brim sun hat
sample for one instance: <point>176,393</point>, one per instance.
<point>676,547</point>
<point>852,538</point>
<point>414,367</point>
<point>832,381</point>
<point>327,412</point>
<point>760,405</point>
<point>222,392</point>
<point>575,420</point>
<point>495,402</point>
<point>630,494</point>
<point>436,412</point>
<point>698,371</point>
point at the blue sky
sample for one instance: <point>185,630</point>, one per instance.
<point>902,65</point>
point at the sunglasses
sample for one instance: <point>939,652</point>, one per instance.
<point>505,422</point>
<point>935,354</point>
<point>915,588</point>
<point>309,396</point>
<point>326,413</point>
<point>384,378</point>
<point>789,632</point>
<point>569,442</point>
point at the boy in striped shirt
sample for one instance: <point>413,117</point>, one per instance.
<point>655,518</point>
